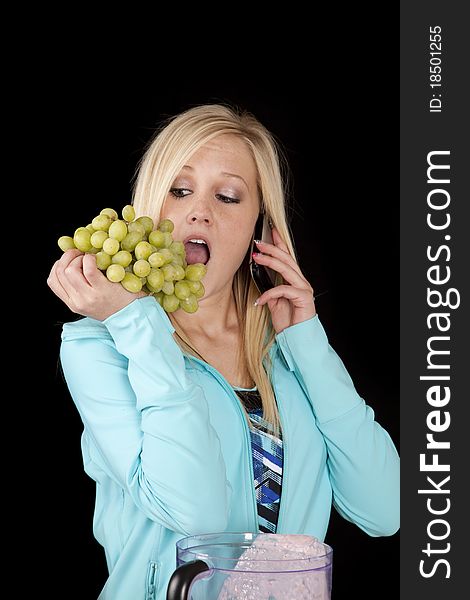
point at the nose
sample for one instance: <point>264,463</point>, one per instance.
<point>200,215</point>
<point>200,210</point>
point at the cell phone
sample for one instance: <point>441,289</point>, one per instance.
<point>264,277</point>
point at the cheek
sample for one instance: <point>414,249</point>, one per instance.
<point>238,246</point>
<point>173,215</point>
<point>170,209</point>
<point>166,212</point>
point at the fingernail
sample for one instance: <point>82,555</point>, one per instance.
<point>258,241</point>
<point>255,303</point>
<point>255,254</point>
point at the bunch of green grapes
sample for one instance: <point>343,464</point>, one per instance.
<point>140,257</point>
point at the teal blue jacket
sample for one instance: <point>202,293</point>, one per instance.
<point>168,445</point>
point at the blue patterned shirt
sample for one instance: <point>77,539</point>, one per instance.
<point>267,455</point>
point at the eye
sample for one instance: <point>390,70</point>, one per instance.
<point>179,192</point>
<point>227,199</point>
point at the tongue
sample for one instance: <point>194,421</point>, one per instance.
<point>196,253</point>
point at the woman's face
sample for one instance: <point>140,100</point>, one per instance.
<point>214,198</point>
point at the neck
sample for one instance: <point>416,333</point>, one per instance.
<point>216,315</point>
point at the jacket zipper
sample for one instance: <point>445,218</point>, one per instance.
<point>151,579</point>
<point>228,387</point>
<point>282,502</point>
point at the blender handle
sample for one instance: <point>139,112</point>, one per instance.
<point>182,577</point>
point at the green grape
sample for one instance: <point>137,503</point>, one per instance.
<point>132,283</point>
<point>170,302</point>
<point>130,241</point>
<point>156,260</point>
<point>197,288</point>
<point>169,272</point>
<point>200,293</point>
<point>115,273</point>
<point>147,222</point>
<point>143,250</point>
<point>168,287</point>
<point>157,238</point>
<point>180,272</point>
<point>177,259</point>
<point>81,239</point>
<point>166,226</point>
<point>65,243</point>
<point>177,248</point>
<point>155,279</point>
<point>110,246</point>
<point>128,213</point>
<point>194,286</point>
<point>131,252</point>
<point>189,304</point>
<point>168,239</point>
<point>136,226</point>
<point>182,290</point>
<point>110,212</point>
<point>102,222</point>
<point>117,230</point>
<point>141,268</point>
<point>123,258</point>
<point>167,255</point>
<point>159,297</point>
<point>196,271</point>
<point>103,260</point>
<point>97,238</point>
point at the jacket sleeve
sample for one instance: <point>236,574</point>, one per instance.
<point>148,421</point>
<point>362,460</point>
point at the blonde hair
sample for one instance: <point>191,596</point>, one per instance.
<point>164,157</point>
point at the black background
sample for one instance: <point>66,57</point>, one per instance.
<point>91,123</point>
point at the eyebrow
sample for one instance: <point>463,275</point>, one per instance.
<point>224,173</point>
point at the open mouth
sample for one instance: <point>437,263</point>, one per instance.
<point>197,251</point>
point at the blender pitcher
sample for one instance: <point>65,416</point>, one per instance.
<point>251,566</point>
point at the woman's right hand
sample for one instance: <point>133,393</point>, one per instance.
<point>78,282</point>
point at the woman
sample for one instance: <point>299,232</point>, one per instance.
<point>239,417</point>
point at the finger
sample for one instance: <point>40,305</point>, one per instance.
<point>289,274</point>
<point>300,298</point>
<point>277,252</point>
<point>68,256</point>
<point>278,240</point>
<point>90,271</point>
<point>55,285</point>
<point>71,278</point>
<point>278,243</point>
<point>63,263</point>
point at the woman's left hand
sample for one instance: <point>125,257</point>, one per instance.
<point>293,302</point>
